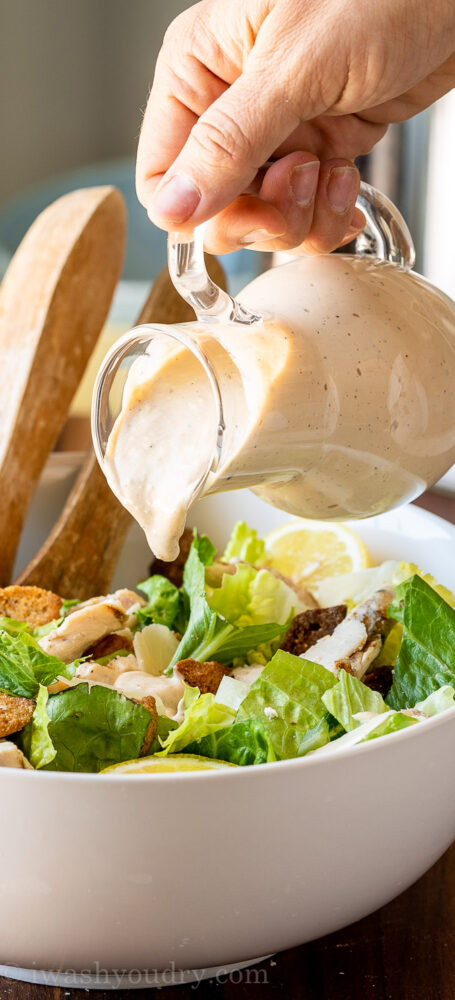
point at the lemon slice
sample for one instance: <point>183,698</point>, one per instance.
<point>310,551</point>
<point>174,762</point>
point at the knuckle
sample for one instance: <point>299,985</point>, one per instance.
<point>184,86</point>
<point>177,29</point>
<point>218,132</point>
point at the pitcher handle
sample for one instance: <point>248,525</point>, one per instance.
<point>385,236</point>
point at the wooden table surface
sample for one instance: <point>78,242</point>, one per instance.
<point>405,951</point>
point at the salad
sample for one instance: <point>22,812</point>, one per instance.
<point>248,656</point>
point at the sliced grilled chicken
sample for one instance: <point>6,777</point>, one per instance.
<point>11,756</point>
<point>356,641</point>
<point>82,628</point>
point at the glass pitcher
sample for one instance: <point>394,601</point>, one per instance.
<point>328,389</point>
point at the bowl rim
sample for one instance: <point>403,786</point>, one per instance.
<point>310,761</point>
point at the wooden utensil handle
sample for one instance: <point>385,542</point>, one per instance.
<point>53,302</point>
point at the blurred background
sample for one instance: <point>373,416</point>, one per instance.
<point>74,78</point>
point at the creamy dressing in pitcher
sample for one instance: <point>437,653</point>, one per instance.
<point>344,407</point>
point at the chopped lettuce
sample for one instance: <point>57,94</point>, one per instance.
<point>394,722</point>
<point>388,654</point>
<point>202,716</point>
<point>426,660</point>
<point>348,697</point>
<point>438,701</point>
<point>24,665</point>
<point>92,727</point>
<point>13,627</point>
<point>165,726</point>
<point>406,570</point>
<point>201,618</point>
<point>209,636</point>
<point>287,698</point>
<point>241,743</point>
<point>380,725</point>
<point>34,739</point>
<point>165,604</point>
<point>253,597</point>
<point>244,545</point>
<point>232,692</point>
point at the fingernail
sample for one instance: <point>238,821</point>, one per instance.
<point>304,181</point>
<point>341,188</point>
<point>177,200</point>
<point>259,236</point>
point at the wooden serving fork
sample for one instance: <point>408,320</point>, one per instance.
<point>53,302</point>
<point>80,555</point>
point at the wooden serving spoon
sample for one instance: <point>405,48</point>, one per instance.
<point>79,557</point>
<point>53,302</point>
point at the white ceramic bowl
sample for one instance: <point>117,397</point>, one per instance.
<point>196,872</point>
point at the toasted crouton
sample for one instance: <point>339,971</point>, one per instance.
<point>206,676</point>
<point>150,704</point>
<point>14,713</point>
<point>108,645</point>
<point>310,626</point>
<point>30,604</point>
<point>379,679</point>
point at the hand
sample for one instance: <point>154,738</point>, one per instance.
<point>241,81</point>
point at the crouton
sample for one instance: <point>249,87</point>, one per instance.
<point>150,704</point>
<point>30,604</point>
<point>310,626</point>
<point>173,571</point>
<point>108,645</point>
<point>206,676</point>
<point>15,712</point>
<point>379,679</point>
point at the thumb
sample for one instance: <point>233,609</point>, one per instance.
<point>225,148</point>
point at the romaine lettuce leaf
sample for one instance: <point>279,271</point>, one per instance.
<point>406,570</point>
<point>244,545</point>
<point>165,726</point>
<point>287,699</point>
<point>92,727</point>
<point>253,597</point>
<point>232,692</point>
<point>392,724</point>
<point>13,627</point>
<point>34,739</point>
<point>438,701</point>
<point>201,618</point>
<point>202,716</point>
<point>388,654</point>
<point>165,604</point>
<point>241,743</point>
<point>380,725</point>
<point>209,636</point>
<point>350,696</point>
<point>24,665</point>
<point>426,660</point>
